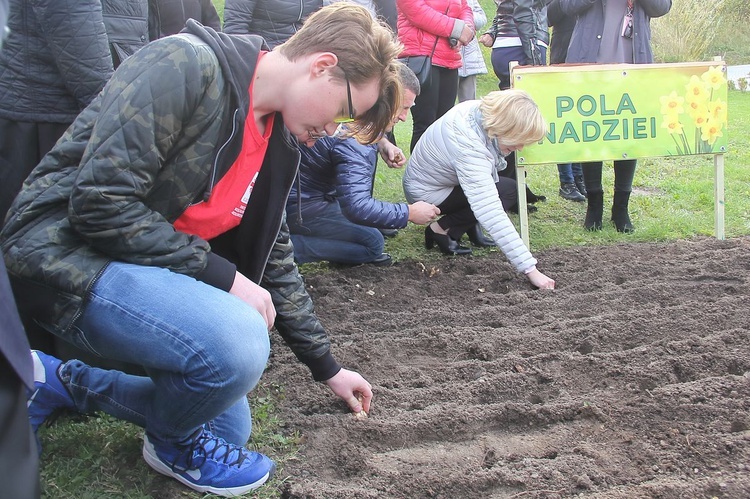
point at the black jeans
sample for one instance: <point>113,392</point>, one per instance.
<point>624,173</point>
<point>22,146</point>
<point>457,215</point>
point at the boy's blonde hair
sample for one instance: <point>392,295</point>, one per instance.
<point>512,117</point>
<point>366,49</point>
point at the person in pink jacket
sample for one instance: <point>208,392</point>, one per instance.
<point>438,28</point>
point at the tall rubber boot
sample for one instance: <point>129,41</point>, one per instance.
<point>594,211</point>
<point>620,212</point>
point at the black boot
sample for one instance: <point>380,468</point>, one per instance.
<point>620,213</point>
<point>594,211</point>
<point>477,237</point>
<point>580,185</point>
<point>446,244</point>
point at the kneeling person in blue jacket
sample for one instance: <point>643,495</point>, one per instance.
<point>331,212</point>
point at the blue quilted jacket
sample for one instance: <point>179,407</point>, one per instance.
<point>342,171</point>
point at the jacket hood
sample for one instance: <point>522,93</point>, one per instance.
<point>232,52</point>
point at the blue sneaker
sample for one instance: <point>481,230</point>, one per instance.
<point>209,464</point>
<point>49,395</point>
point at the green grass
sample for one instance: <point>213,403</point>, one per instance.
<point>100,457</point>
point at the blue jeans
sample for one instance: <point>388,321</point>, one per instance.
<point>330,236</point>
<point>568,171</point>
<point>203,350</point>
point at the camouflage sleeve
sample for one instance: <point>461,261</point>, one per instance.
<point>296,320</point>
<point>147,138</point>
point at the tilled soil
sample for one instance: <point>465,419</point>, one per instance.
<point>631,379</point>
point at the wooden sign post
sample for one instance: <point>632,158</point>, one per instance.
<point>604,112</point>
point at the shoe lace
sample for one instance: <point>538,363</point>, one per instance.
<point>207,446</point>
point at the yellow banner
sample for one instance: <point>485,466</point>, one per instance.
<point>621,111</point>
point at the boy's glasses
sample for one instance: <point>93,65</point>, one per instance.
<point>350,118</point>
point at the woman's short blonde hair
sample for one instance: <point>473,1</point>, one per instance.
<point>366,49</point>
<point>512,117</point>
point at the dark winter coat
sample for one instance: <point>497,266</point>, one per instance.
<point>3,20</point>
<point>131,164</point>
<point>562,29</point>
<point>126,23</point>
<point>275,20</point>
<point>342,171</point>
<point>584,43</point>
<point>525,19</point>
<point>55,60</point>
<point>167,17</point>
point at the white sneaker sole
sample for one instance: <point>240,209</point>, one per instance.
<point>149,454</point>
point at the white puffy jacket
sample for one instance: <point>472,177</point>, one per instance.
<point>471,54</point>
<point>455,150</point>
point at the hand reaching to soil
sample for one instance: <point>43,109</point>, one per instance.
<point>347,385</point>
<point>540,280</point>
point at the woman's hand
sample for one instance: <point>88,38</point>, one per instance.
<point>540,280</point>
<point>255,296</point>
<point>347,385</point>
<point>486,40</point>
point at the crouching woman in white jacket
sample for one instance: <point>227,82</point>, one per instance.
<point>454,166</point>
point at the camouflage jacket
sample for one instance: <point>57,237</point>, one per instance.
<point>160,135</point>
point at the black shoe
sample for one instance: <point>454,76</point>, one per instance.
<point>477,237</point>
<point>530,208</point>
<point>384,260</point>
<point>580,185</point>
<point>389,232</point>
<point>594,211</point>
<point>447,245</point>
<point>570,192</point>
<point>532,198</point>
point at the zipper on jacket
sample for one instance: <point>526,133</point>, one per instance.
<point>212,179</point>
<point>299,196</point>
<point>278,228</point>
